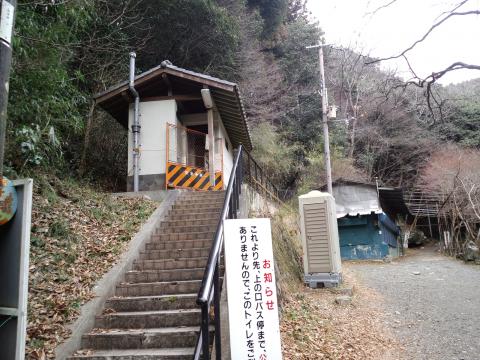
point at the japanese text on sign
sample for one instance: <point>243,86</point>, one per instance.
<point>252,296</point>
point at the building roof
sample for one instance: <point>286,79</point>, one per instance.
<point>392,201</point>
<point>344,181</point>
<point>167,81</point>
<point>353,198</point>
<point>360,198</point>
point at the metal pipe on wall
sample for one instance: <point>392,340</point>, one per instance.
<point>136,123</point>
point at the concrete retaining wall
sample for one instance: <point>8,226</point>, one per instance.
<point>250,202</point>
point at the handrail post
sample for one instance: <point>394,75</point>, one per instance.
<point>233,200</point>
<point>249,169</point>
<point>205,332</point>
<point>263,183</point>
<point>256,175</point>
<point>216,304</point>
<point>210,289</point>
<point>235,197</point>
<point>241,174</point>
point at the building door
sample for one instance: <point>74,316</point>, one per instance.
<point>187,159</point>
<point>197,155</point>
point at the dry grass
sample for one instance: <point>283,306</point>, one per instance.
<point>77,235</point>
<point>313,326</point>
<point>287,249</point>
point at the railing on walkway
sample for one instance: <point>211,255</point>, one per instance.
<point>245,168</point>
<point>258,179</point>
<point>210,288</point>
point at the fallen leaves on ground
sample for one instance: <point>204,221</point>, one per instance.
<point>314,327</point>
<point>77,235</point>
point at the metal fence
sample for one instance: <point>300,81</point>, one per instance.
<point>258,179</point>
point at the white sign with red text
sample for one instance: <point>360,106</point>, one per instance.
<point>251,289</point>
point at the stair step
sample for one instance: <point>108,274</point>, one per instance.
<point>203,194</point>
<point>191,211</point>
<point>186,229</point>
<point>183,236</point>
<point>170,264</point>
<point>201,207</point>
<point>175,244</point>
<point>217,201</point>
<point>152,303</point>
<point>142,338</point>
<point>184,215</point>
<point>149,319</point>
<point>158,288</point>
<point>173,222</point>
<point>146,276</point>
<point>174,253</point>
<point>136,354</point>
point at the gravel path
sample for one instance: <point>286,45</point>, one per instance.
<point>431,302</point>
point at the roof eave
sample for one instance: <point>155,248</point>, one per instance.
<point>234,104</point>
<point>171,70</point>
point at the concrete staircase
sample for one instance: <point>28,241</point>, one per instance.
<point>153,314</point>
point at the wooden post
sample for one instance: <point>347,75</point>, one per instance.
<point>326,137</point>
<point>429,221</point>
<point>184,145</point>
<point>86,142</point>
<point>167,155</point>
<point>211,147</point>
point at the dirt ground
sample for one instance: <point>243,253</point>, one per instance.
<point>429,302</point>
<point>314,326</point>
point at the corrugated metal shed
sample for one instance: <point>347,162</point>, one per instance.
<point>157,82</point>
<point>366,232</point>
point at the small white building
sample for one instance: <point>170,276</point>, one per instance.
<point>177,127</point>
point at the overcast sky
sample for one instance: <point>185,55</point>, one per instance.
<point>393,28</point>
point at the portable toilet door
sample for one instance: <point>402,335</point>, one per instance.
<point>321,247</point>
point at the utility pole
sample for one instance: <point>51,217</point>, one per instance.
<point>326,137</point>
<point>6,31</point>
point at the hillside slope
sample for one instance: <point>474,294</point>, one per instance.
<point>77,235</point>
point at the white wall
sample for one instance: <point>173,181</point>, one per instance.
<point>227,155</point>
<point>222,136</point>
<point>154,115</point>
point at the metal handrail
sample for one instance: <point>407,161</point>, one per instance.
<point>259,180</point>
<point>210,287</point>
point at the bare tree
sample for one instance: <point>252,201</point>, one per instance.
<point>453,174</point>
<point>433,98</point>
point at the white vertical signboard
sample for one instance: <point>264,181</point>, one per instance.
<point>251,288</point>
<point>6,21</point>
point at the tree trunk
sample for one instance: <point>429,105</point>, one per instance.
<point>88,128</point>
<point>352,137</point>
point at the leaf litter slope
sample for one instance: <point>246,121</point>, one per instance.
<point>77,236</point>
